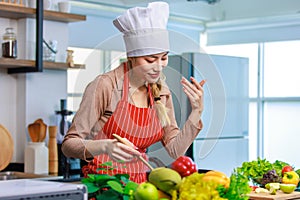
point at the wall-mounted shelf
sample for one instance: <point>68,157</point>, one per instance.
<point>18,12</point>
<point>9,63</point>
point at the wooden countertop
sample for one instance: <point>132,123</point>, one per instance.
<point>279,196</point>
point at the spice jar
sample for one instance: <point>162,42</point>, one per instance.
<point>9,44</point>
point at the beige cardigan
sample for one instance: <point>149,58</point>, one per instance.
<point>99,101</point>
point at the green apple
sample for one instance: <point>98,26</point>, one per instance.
<point>287,188</point>
<point>146,191</point>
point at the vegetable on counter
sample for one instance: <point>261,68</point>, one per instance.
<point>218,177</point>
<point>103,186</point>
<point>193,187</point>
<point>273,187</point>
<point>279,165</point>
<point>298,172</point>
<point>184,165</point>
<point>238,188</point>
<point>286,168</point>
<point>270,177</point>
<point>256,169</point>
<point>290,177</point>
<point>165,179</point>
<point>287,188</point>
<point>181,181</point>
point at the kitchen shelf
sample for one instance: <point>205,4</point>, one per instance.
<point>18,12</point>
<point>8,63</point>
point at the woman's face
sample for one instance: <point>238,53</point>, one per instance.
<point>148,68</point>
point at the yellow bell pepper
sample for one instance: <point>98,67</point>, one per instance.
<point>290,178</point>
<point>218,177</point>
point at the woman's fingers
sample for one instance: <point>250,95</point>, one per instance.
<point>202,82</point>
<point>194,88</point>
<point>198,85</point>
<point>194,91</point>
<point>121,152</point>
<point>128,143</point>
<point>128,149</point>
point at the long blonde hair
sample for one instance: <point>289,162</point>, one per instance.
<point>161,110</point>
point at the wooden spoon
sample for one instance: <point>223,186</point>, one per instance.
<point>34,130</point>
<point>43,132</point>
<point>122,140</point>
<point>43,129</point>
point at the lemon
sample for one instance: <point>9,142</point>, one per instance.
<point>272,190</point>
<point>272,185</point>
<point>261,190</point>
<point>287,188</point>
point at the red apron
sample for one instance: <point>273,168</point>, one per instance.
<point>139,125</point>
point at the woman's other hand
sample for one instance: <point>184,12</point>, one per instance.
<point>194,91</point>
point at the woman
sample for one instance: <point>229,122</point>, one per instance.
<point>134,102</point>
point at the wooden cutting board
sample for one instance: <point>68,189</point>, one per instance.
<point>279,196</point>
<point>6,147</point>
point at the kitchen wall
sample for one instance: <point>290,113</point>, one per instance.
<point>27,97</point>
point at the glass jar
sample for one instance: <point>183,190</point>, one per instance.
<point>49,50</point>
<point>9,44</point>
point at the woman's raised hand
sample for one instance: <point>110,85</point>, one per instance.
<point>194,91</point>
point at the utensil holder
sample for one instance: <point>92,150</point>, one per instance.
<point>36,158</point>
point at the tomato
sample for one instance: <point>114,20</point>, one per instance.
<point>253,187</point>
<point>286,168</point>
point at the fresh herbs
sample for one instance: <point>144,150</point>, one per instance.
<point>107,166</point>
<point>238,188</point>
<point>104,186</point>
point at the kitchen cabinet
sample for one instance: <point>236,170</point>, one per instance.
<point>19,12</point>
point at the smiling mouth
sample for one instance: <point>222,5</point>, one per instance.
<point>154,75</point>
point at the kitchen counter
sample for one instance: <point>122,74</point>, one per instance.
<point>13,175</point>
<point>279,196</point>
<point>16,185</point>
<point>41,189</point>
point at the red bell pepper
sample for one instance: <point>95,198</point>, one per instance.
<point>184,165</point>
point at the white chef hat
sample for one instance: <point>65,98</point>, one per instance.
<point>144,29</point>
